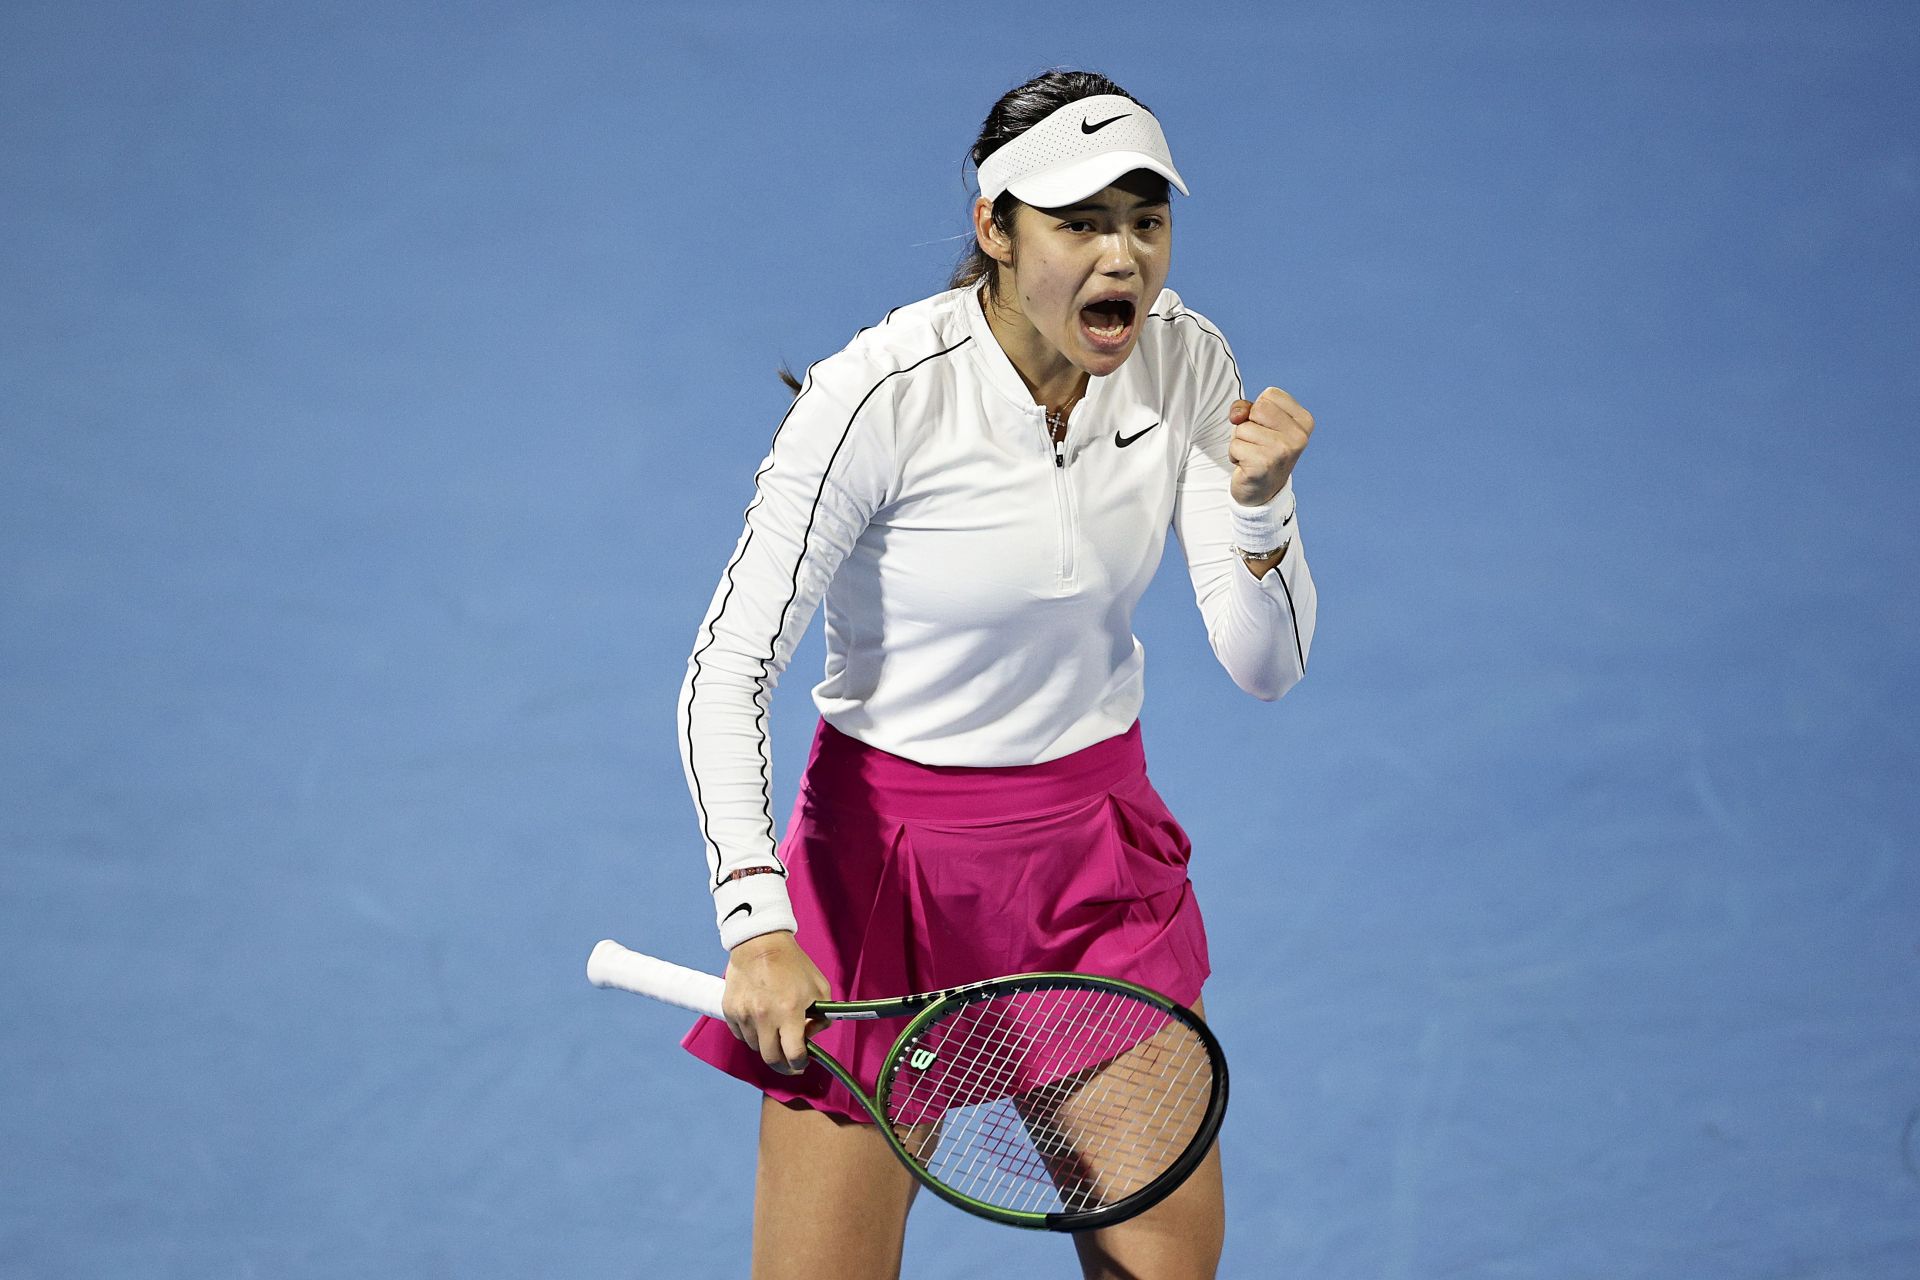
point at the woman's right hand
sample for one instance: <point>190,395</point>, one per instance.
<point>770,985</point>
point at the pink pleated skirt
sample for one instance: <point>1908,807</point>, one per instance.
<point>907,877</point>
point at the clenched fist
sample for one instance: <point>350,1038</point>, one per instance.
<point>1269,434</point>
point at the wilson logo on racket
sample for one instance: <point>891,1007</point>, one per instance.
<point>921,1059</point>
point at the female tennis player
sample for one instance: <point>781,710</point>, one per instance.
<point>979,488</point>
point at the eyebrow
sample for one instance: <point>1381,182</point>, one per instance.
<point>1089,206</point>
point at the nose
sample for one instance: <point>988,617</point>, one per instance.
<point>1117,257</point>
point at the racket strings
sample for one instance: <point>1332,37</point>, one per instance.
<point>1128,1133</point>
<point>1062,1143</point>
<point>1051,1099</point>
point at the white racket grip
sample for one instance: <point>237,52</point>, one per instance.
<point>612,965</point>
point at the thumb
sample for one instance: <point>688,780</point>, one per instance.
<point>1240,411</point>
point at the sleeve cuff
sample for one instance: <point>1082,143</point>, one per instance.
<point>1264,527</point>
<point>750,906</point>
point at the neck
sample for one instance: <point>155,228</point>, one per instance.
<point>1053,380</point>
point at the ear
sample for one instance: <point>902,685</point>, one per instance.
<point>993,241</point>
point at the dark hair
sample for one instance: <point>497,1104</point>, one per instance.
<point>1018,110</point>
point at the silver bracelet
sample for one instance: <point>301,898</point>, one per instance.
<point>1251,556</point>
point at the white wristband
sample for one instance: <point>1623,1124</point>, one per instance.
<point>1265,528</point>
<point>751,905</point>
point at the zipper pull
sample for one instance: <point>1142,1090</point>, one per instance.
<point>1060,454</point>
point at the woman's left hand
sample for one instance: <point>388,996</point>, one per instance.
<point>1269,435</point>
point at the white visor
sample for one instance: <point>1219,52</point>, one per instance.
<point>1078,150</point>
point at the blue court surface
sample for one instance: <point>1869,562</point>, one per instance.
<point>380,389</point>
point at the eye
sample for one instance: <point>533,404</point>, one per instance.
<point>1077,225</point>
<point>1152,222</point>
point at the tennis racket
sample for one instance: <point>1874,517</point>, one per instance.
<point>1057,1101</point>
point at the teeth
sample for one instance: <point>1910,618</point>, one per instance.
<point>1105,321</point>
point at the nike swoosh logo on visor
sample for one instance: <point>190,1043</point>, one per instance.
<point>1095,128</point>
<point>1124,441</point>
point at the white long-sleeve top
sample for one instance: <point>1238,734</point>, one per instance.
<point>979,582</point>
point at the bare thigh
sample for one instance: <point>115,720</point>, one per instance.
<point>830,1199</point>
<point>1178,1239</point>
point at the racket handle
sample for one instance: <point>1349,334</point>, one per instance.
<point>612,965</point>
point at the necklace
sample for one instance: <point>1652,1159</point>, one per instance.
<point>1057,418</point>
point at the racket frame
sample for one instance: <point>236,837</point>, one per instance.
<point>923,1008</point>
<point>939,1002</point>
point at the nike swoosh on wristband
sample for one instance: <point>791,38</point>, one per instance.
<point>1095,128</point>
<point>745,906</point>
<point>1123,441</point>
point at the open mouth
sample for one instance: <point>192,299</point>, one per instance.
<point>1107,323</point>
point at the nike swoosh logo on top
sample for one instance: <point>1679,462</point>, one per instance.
<point>1123,441</point>
<point>745,906</point>
<point>1095,128</point>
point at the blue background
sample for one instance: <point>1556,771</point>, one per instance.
<point>380,388</point>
